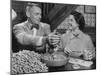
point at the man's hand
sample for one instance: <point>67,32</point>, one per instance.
<point>54,39</point>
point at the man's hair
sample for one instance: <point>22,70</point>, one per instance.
<point>79,19</point>
<point>30,5</point>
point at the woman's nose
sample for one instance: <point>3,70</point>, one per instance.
<point>68,20</point>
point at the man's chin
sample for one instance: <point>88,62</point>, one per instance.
<point>38,22</point>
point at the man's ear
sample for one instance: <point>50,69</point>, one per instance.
<point>27,12</point>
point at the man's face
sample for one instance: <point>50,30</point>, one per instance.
<point>35,14</point>
<point>71,23</point>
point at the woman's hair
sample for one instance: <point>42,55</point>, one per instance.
<point>79,19</point>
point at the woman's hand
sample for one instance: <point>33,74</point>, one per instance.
<point>88,54</point>
<point>67,51</point>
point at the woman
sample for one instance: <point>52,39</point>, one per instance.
<point>75,41</point>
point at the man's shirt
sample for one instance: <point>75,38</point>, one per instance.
<point>28,35</point>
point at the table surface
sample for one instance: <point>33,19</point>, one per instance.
<point>68,67</point>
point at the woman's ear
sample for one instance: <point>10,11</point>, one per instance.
<point>27,11</point>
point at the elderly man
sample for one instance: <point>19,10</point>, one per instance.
<point>32,32</point>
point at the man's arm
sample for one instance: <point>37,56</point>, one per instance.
<point>25,38</point>
<point>47,29</point>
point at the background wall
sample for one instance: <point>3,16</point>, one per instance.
<point>89,13</point>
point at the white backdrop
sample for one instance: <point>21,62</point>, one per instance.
<point>5,38</point>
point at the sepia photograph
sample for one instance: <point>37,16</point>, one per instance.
<point>52,37</point>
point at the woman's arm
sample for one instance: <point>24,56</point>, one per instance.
<point>90,49</point>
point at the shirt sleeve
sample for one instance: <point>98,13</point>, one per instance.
<point>91,49</point>
<point>47,29</point>
<point>26,38</point>
<point>90,44</point>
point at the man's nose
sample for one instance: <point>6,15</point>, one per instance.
<point>40,17</point>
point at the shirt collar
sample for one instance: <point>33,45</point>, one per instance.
<point>31,26</point>
<point>76,34</point>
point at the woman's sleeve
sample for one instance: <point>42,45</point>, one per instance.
<point>91,49</point>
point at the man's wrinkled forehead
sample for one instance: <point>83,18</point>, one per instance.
<point>35,9</point>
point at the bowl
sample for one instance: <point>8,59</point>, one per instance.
<point>55,59</point>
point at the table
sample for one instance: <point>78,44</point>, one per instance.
<point>68,67</point>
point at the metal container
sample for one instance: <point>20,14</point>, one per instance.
<point>55,59</point>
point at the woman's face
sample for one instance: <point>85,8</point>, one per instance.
<point>71,23</point>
